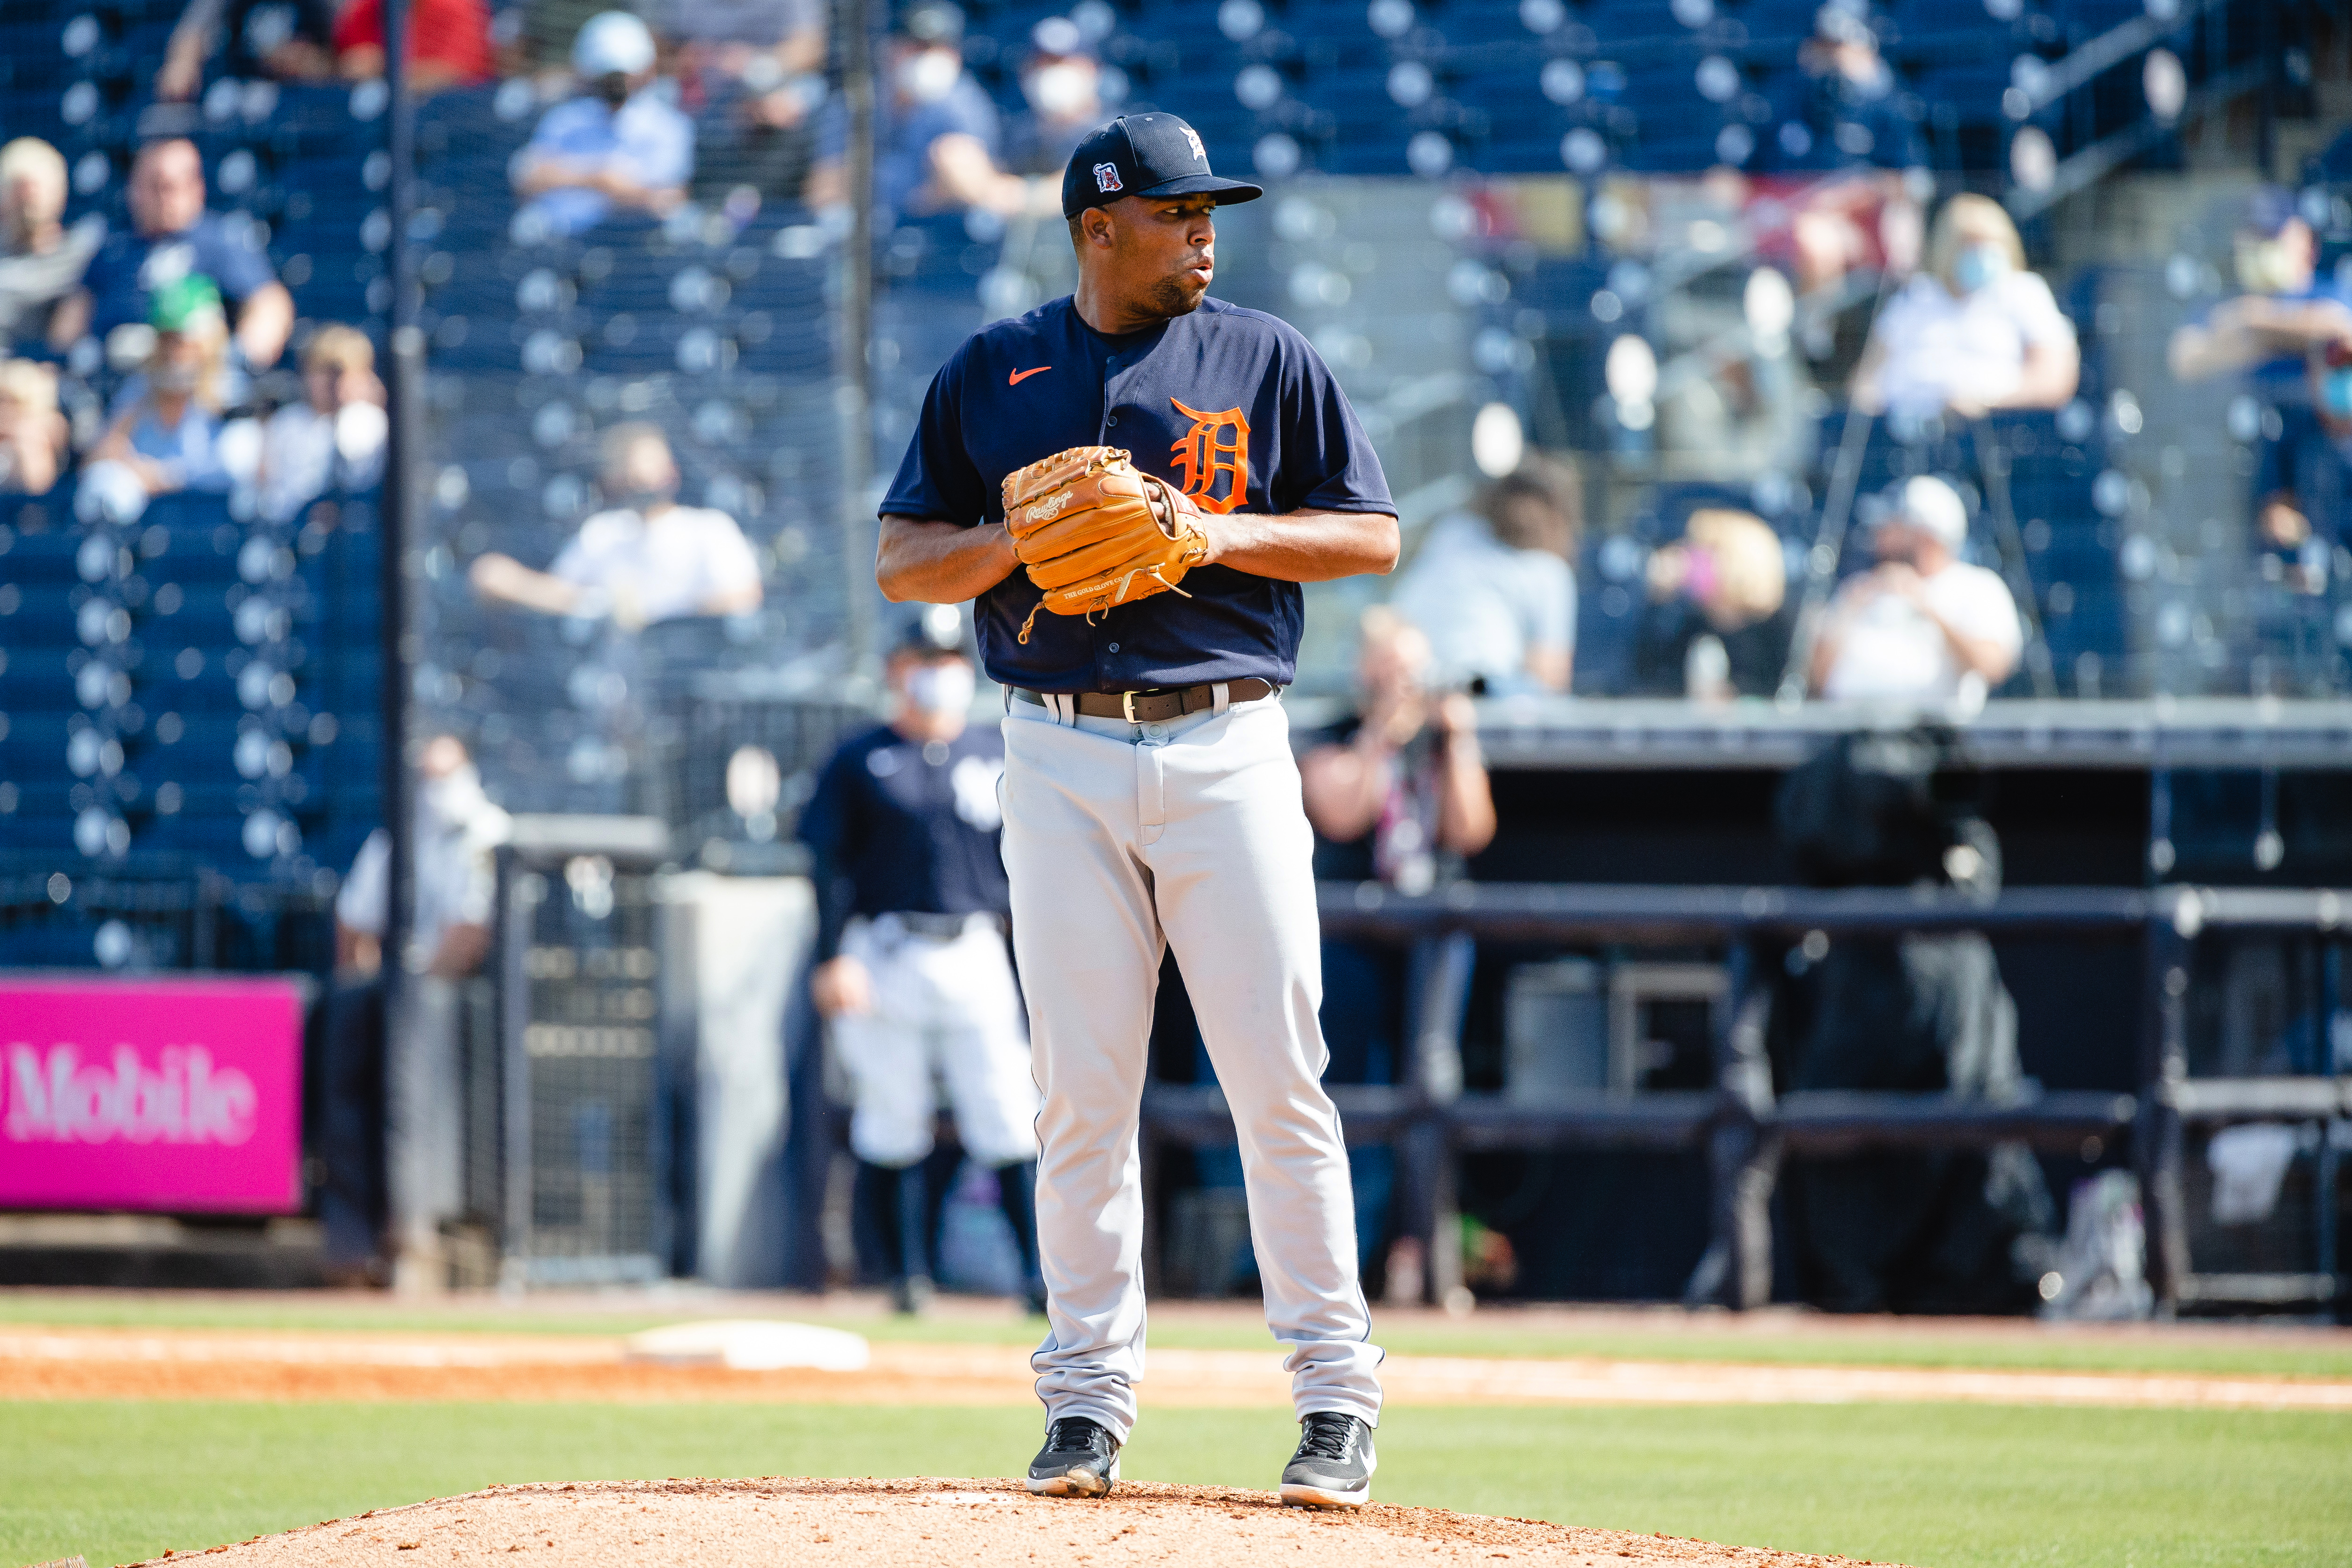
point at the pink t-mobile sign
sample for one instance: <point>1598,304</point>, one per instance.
<point>179,1095</point>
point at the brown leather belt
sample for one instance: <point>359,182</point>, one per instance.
<point>1157,705</point>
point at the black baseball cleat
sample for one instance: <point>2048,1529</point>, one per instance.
<point>1081,1458</point>
<point>1334,1465</point>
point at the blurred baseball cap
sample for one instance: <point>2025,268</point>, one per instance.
<point>1145,156</point>
<point>1932,506</point>
<point>1058,38</point>
<point>612,41</point>
<point>935,21</point>
<point>2266,210</point>
<point>184,302</point>
<point>1844,22</point>
<point>938,629</point>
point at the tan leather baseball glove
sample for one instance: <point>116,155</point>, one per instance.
<point>1095,531</point>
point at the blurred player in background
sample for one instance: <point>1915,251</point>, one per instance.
<point>912,968</point>
<point>456,831</point>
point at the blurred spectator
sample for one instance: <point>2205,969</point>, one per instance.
<point>166,433</point>
<point>1493,591</point>
<point>279,40</point>
<point>649,560</point>
<point>1746,408</point>
<point>448,43</point>
<point>1718,621</point>
<point>1062,82</point>
<point>32,432</point>
<point>334,438</point>
<point>620,143</point>
<point>771,48</point>
<point>1402,782</point>
<point>2303,477</point>
<point>1845,117</point>
<point>757,66</point>
<point>41,260</point>
<point>2281,334</point>
<point>2286,313</point>
<point>1921,626</point>
<point>1975,331</point>
<point>171,239</point>
<point>935,133</point>
<point>456,831</point>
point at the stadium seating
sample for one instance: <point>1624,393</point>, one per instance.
<point>198,689</point>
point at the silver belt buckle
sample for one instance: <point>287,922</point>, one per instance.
<point>1127,707</point>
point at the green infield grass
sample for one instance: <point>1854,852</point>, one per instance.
<point>2289,1351</point>
<point>1940,1486</point>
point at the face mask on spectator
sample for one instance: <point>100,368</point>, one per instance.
<point>940,689</point>
<point>455,796</point>
<point>175,379</point>
<point>928,74</point>
<point>643,498</point>
<point>613,87</point>
<point>1978,265</point>
<point>1059,90</point>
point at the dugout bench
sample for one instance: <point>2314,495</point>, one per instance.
<point>1739,1124</point>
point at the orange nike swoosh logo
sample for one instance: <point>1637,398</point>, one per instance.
<point>1019,376</point>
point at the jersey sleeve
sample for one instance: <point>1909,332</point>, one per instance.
<point>1985,610</point>
<point>728,561</point>
<point>663,156</point>
<point>1551,600</point>
<point>237,264</point>
<point>362,903</point>
<point>2038,319</point>
<point>826,829</point>
<point>581,559</point>
<point>937,479</point>
<point>1327,463</point>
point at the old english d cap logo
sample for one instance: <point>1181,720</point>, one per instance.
<point>1144,155</point>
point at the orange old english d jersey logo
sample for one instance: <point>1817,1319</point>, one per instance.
<point>1206,451</point>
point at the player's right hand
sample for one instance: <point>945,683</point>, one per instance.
<point>841,985</point>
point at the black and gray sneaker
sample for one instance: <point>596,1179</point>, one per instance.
<point>1334,1465</point>
<point>1081,1458</point>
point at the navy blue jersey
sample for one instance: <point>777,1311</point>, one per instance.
<point>899,827</point>
<point>1231,406</point>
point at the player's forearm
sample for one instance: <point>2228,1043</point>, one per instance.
<point>941,563</point>
<point>1302,547</point>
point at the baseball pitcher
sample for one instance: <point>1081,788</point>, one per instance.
<point>1131,482</point>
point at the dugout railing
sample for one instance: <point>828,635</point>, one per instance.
<point>1744,1129</point>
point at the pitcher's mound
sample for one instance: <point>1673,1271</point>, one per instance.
<point>918,1523</point>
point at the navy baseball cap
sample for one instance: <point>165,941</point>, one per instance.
<point>2265,211</point>
<point>1144,155</point>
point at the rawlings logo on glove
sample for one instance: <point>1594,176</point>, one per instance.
<point>1095,531</point>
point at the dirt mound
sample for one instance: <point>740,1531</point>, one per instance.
<point>917,1524</point>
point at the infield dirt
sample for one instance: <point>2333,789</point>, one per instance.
<point>922,1522</point>
<point>46,1363</point>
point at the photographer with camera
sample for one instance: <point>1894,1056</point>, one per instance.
<point>1400,792</point>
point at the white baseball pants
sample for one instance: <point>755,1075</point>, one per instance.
<point>944,1011</point>
<point>1124,840</point>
